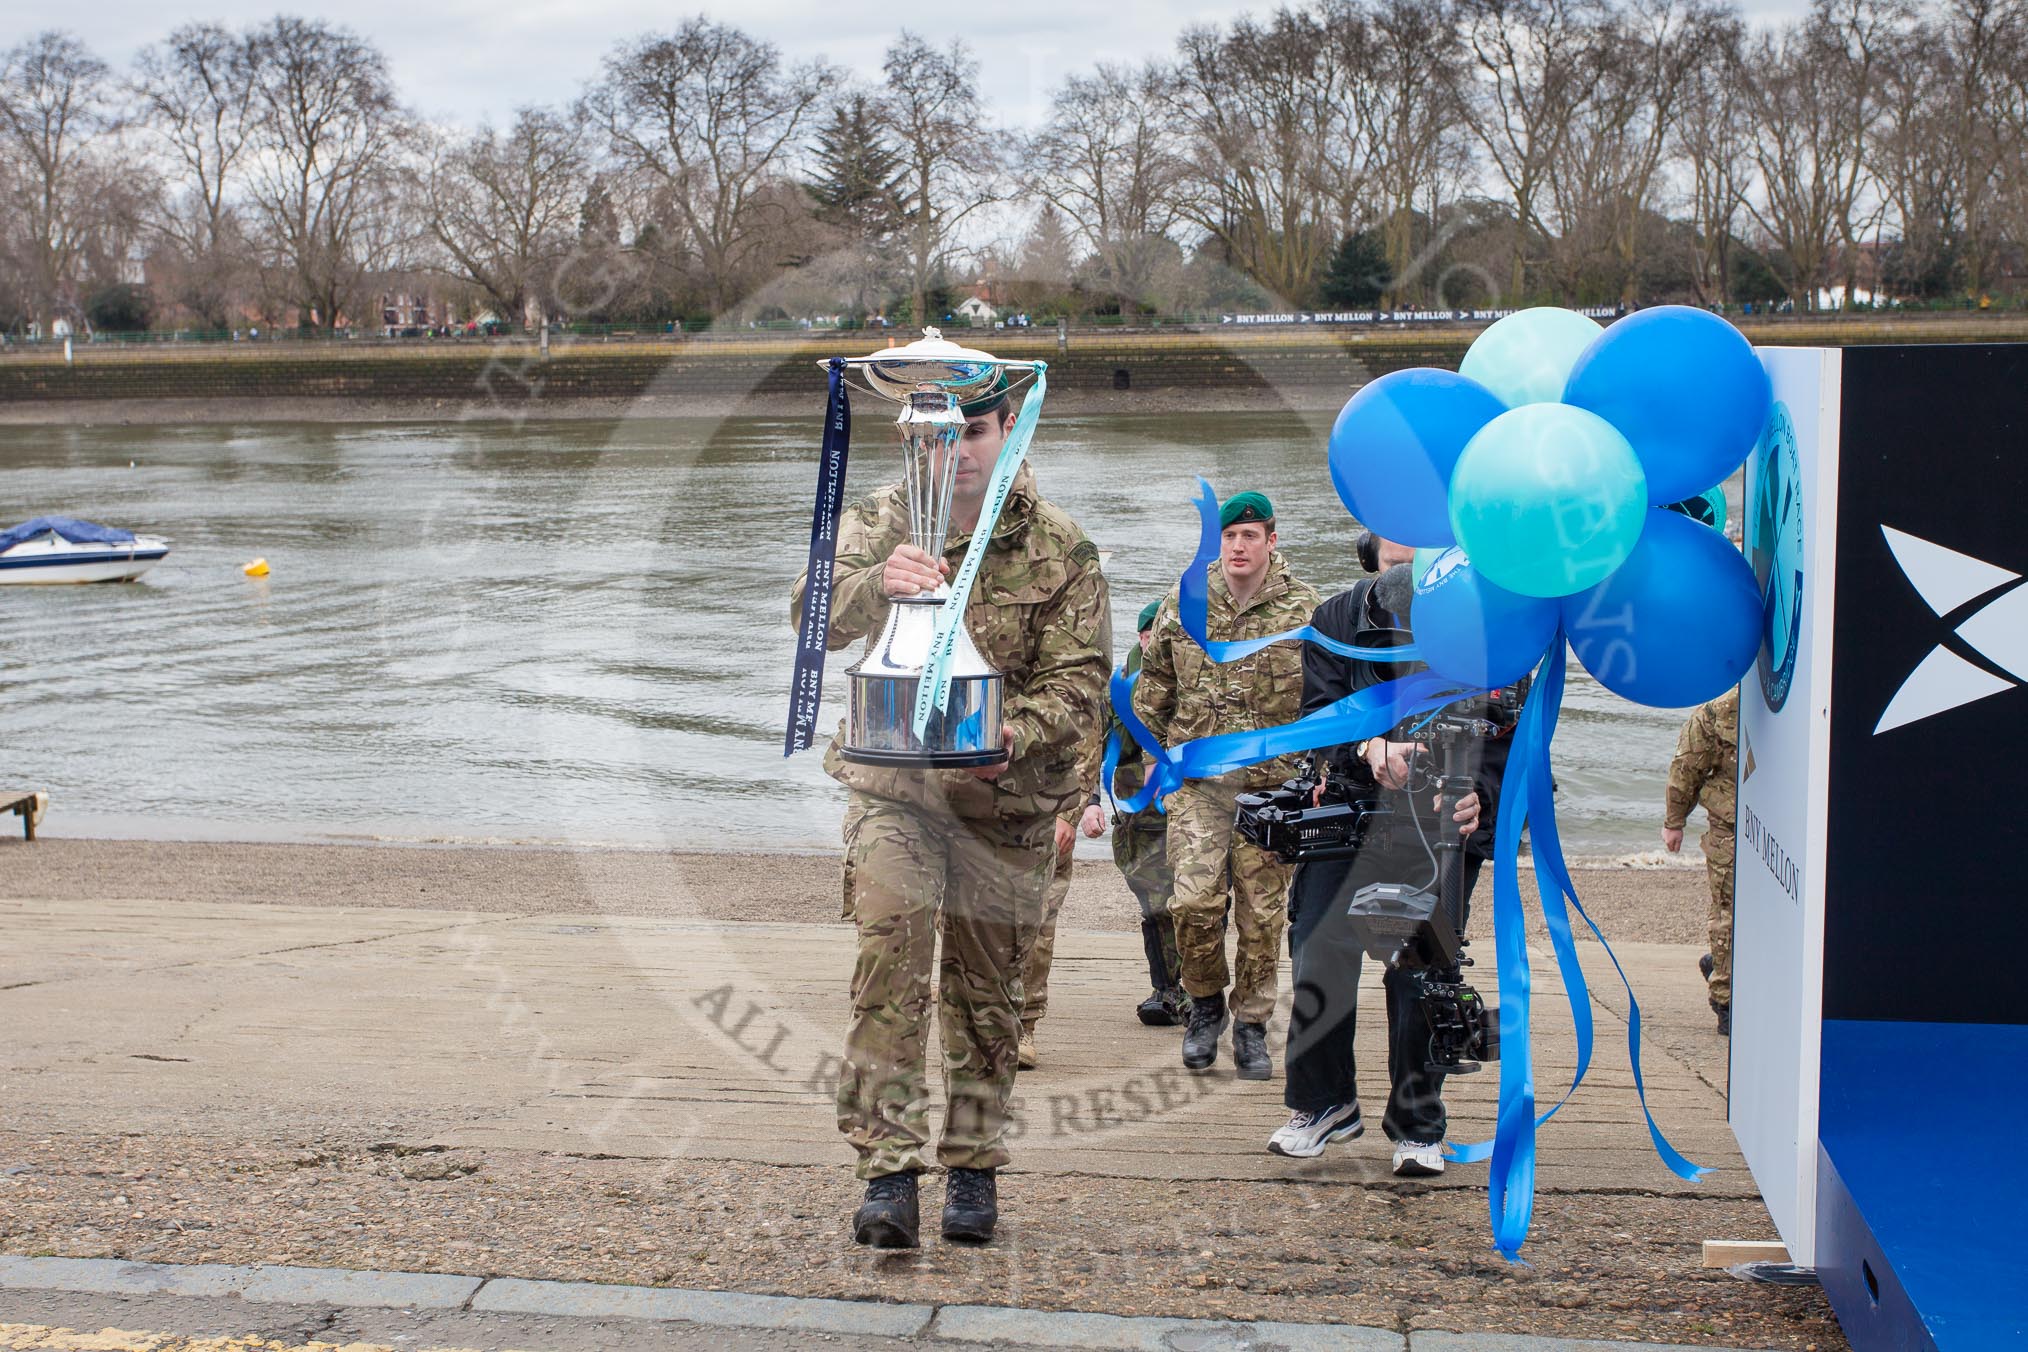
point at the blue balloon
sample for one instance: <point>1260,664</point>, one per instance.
<point>1686,390</point>
<point>1678,624</point>
<point>1472,631</point>
<point>1394,445</point>
<point>1547,500</point>
<point>1527,357</point>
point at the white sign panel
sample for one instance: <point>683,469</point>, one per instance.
<point>1784,758</point>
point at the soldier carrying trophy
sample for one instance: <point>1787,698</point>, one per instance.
<point>987,664</point>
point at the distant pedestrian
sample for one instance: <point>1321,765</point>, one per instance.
<point>1705,773</point>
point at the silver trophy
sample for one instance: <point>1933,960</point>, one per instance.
<point>930,379</point>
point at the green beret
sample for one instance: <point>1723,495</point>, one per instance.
<point>1248,506</point>
<point>988,398</point>
<point>1148,616</point>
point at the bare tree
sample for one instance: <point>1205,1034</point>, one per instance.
<point>1605,174</point>
<point>196,92</point>
<point>948,157</point>
<point>322,176</point>
<point>56,98</point>
<point>1410,116</point>
<point>504,208</point>
<point>1277,167</point>
<point>1812,94</point>
<point>1943,141</point>
<point>711,117</point>
<point>1109,159</point>
<point>1530,81</point>
<point>1711,138</point>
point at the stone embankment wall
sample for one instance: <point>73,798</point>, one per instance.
<point>515,376</point>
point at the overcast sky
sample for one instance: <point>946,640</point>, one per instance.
<point>471,60</point>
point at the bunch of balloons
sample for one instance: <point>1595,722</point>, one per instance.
<point>1534,482</point>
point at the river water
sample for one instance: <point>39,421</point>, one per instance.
<point>568,631</point>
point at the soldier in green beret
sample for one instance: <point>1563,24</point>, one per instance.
<point>965,855</point>
<point>1183,694</point>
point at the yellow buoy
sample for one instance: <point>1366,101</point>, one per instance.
<point>258,568</point>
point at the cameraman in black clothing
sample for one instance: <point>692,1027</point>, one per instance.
<point>1321,1093</point>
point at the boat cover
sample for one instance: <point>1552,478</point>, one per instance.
<point>70,528</point>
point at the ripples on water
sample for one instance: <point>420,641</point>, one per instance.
<point>564,631</point>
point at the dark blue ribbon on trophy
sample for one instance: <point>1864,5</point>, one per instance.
<point>807,692</point>
<point>1526,802</point>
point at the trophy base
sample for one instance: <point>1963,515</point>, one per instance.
<point>921,760</point>
<point>880,724</point>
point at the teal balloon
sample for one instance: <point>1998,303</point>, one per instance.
<point>1548,500</point>
<point>1471,630</point>
<point>1527,357</point>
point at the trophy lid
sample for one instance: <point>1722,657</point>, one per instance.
<point>931,360</point>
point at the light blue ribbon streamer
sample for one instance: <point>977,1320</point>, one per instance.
<point>933,691</point>
<point>1362,714</point>
<point>1193,603</point>
<point>1526,799</point>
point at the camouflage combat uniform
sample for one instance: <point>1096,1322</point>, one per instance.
<point>1141,850</point>
<point>1705,773</point>
<point>1183,694</point>
<point>942,851</point>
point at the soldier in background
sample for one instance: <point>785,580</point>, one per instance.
<point>1183,694</point>
<point>1705,772</point>
<point>1041,954</point>
<point>1141,849</point>
<point>964,855</point>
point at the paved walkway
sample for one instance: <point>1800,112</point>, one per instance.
<point>625,1099</point>
<point>223,1305</point>
<point>672,1039</point>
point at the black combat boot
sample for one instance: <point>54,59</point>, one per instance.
<point>1200,1039</point>
<point>890,1217</point>
<point>971,1205</point>
<point>1724,1013</point>
<point>1158,1011</point>
<point>1249,1051</point>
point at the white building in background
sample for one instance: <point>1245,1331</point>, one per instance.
<point>977,310</point>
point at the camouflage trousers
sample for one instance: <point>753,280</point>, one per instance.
<point>1214,868</point>
<point>1142,853</point>
<point>980,887</point>
<point>1718,864</point>
<point>1035,964</point>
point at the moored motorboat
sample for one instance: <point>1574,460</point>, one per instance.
<point>62,549</point>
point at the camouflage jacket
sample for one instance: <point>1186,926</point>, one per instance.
<point>1705,770</point>
<point>1038,613</point>
<point>1183,694</point>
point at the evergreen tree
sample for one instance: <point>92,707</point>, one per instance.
<point>1353,280</point>
<point>859,180</point>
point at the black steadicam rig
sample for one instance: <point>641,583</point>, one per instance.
<point>1408,927</point>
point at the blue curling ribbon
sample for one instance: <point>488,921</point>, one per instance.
<point>1526,800</point>
<point>1193,601</point>
<point>1527,796</point>
<point>1364,713</point>
<point>933,691</point>
<point>806,691</point>
<point>1550,868</point>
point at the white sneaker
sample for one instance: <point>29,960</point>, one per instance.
<point>1307,1134</point>
<point>1418,1159</point>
